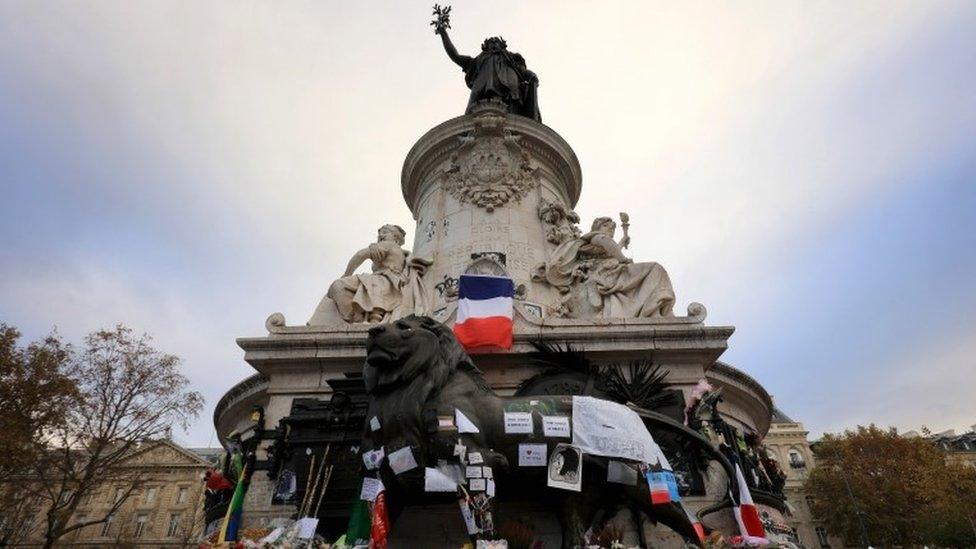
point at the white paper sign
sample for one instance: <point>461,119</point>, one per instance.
<point>475,458</point>
<point>518,423</point>
<point>605,428</point>
<point>436,481</point>
<point>556,426</point>
<point>371,487</point>
<point>464,425</point>
<point>468,518</point>
<point>621,473</point>
<point>532,455</point>
<point>487,472</point>
<point>476,485</point>
<point>473,472</point>
<point>373,459</point>
<point>490,488</point>
<point>306,527</point>
<point>374,424</point>
<point>402,460</point>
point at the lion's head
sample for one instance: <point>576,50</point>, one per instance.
<point>401,351</point>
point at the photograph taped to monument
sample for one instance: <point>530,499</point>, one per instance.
<point>566,468</point>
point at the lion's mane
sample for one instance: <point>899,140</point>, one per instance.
<point>405,396</point>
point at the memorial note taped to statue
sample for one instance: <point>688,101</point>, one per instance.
<point>605,428</point>
<point>556,426</point>
<point>518,423</point>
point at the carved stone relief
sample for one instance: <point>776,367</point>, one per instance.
<point>490,169</point>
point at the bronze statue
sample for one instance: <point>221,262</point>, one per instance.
<point>417,376</point>
<point>495,73</point>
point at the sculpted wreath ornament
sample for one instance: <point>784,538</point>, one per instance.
<point>490,169</point>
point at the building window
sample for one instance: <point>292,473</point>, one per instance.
<point>119,494</point>
<point>181,496</point>
<point>174,526</point>
<point>151,495</point>
<point>809,502</point>
<point>78,520</point>
<point>796,460</point>
<point>107,526</point>
<point>822,536</point>
<point>87,498</point>
<point>141,525</point>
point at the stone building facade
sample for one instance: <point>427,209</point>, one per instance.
<point>959,448</point>
<point>787,443</point>
<point>165,512</point>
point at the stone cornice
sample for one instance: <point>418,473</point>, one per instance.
<point>245,388</point>
<point>302,346</point>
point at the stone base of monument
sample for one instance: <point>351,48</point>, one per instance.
<point>315,363</point>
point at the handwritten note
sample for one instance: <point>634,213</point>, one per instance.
<point>518,423</point>
<point>374,424</point>
<point>373,459</point>
<point>402,460</point>
<point>605,428</point>
<point>306,527</point>
<point>556,426</point>
<point>475,458</point>
<point>532,455</point>
<point>436,481</point>
<point>371,487</point>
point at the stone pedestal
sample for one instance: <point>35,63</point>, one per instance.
<point>477,186</point>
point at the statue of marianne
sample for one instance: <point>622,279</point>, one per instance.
<point>495,73</point>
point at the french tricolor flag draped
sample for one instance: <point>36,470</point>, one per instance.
<point>746,513</point>
<point>484,313</point>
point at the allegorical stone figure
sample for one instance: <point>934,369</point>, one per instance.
<point>495,73</point>
<point>596,279</point>
<point>393,289</point>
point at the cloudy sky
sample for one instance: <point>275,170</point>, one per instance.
<point>807,170</point>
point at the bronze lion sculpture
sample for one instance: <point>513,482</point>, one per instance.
<point>417,375</point>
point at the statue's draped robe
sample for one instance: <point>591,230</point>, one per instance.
<point>394,288</point>
<point>502,75</point>
<point>605,286</point>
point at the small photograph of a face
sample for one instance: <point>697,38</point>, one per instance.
<point>564,464</point>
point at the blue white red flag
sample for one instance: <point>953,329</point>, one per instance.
<point>484,314</point>
<point>663,486</point>
<point>746,513</point>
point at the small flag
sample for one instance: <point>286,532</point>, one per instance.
<point>664,487</point>
<point>746,513</point>
<point>484,314</point>
<point>695,523</point>
<point>232,520</point>
<point>381,524</point>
